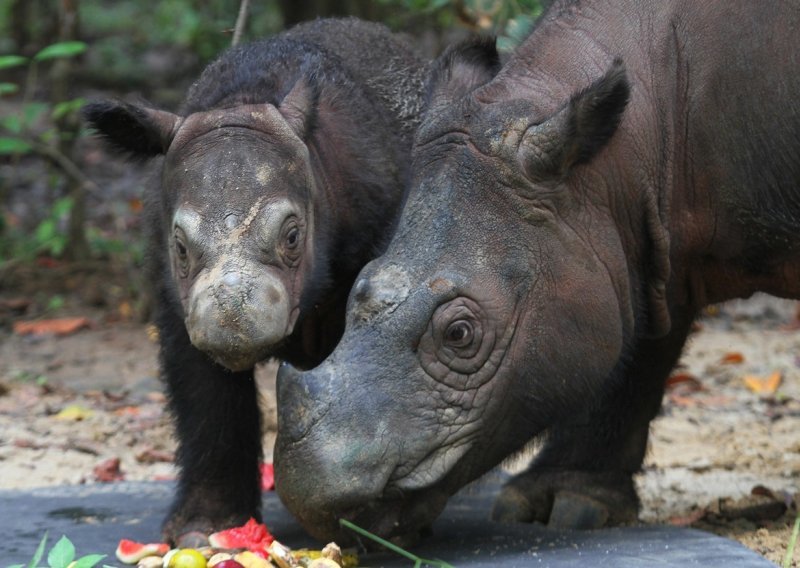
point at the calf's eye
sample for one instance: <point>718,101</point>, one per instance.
<point>293,237</point>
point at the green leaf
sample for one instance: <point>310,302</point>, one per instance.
<point>45,231</point>
<point>32,111</point>
<point>16,566</point>
<point>8,88</point>
<point>37,556</point>
<point>787,561</point>
<point>61,554</point>
<point>67,107</point>
<point>12,123</point>
<point>88,561</point>
<point>63,49</point>
<point>7,61</point>
<point>61,207</point>
<point>418,562</point>
<point>13,146</point>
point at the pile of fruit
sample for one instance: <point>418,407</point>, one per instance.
<point>248,546</point>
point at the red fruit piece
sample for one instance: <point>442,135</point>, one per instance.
<point>267,477</point>
<point>231,563</point>
<point>130,552</point>
<point>252,535</point>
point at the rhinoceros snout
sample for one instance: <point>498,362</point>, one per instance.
<point>303,398</point>
<point>237,318</point>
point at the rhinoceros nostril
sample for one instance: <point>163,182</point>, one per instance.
<point>361,289</point>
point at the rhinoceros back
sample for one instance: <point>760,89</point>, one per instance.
<point>361,59</point>
<point>389,68</point>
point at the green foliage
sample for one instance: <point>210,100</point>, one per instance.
<point>60,50</point>
<point>20,134</point>
<point>510,20</point>
<point>62,555</point>
<point>7,61</point>
<point>49,237</point>
<point>787,560</point>
<point>418,562</point>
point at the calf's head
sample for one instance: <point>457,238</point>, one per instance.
<point>235,195</point>
<point>502,302</point>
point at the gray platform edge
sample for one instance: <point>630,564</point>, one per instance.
<point>96,517</point>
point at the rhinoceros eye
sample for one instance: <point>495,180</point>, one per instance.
<point>290,240</point>
<point>181,253</point>
<point>293,237</point>
<point>459,334</point>
<point>456,346</point>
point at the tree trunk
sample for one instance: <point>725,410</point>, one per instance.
<point>77,247</point>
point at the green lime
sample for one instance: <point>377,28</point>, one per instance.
<point>187,558</point>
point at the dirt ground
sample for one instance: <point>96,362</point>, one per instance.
<point>724,457</point>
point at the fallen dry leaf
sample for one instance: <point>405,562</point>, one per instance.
<point>151,455</point>
<point>152,333</point>
<point>108,471</point>
<point>61,326</point>
<point>690,519</point>
<point>685,379</point>
<point>15,304</point>
<point>732,358</point>
<point>128,411</point>
<point>763,385</point>
<point>702,401</point>
<point>74,412</point>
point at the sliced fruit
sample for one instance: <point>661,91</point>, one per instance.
<point>130,552</point>
<point>252,535</point>
<point>267,477</point>
<point>249,559</point>
<point>228,563</point>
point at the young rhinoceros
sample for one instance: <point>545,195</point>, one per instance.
<point>569,215</point>
<point>282,176</point>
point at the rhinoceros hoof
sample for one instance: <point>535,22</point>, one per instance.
<point>568,499</point>
<point>192,539</point>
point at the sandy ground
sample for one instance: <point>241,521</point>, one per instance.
<point>723,456</point>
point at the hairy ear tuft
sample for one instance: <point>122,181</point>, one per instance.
<point>576,133</point>
<point>596,111</point>
<point>299,106</point>
<point>131,130</point>
<point>461,69</point>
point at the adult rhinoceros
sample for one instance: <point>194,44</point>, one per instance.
<point>569,214</point>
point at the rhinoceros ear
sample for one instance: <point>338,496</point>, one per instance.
<point>579,130</point>
<point>299,106</point>
<point>139,132</point>
<point>461,69</point>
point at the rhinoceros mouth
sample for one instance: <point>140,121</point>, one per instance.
<point>401,519</point>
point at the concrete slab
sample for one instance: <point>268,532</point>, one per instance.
<point>95,517</point>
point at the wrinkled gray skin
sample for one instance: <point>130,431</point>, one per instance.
<point>569,215</point>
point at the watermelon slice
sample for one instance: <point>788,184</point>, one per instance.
<point>252,536</point>
<point>267,477</point>
<point>130,552</point>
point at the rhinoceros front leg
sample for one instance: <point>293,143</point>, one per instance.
<point>583,477</point>
<point>218,427</point>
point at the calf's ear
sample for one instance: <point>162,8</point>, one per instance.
<point>579,130</point>
<point>461,69</point>
<point>139,132</point>
<point>299,107</point>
